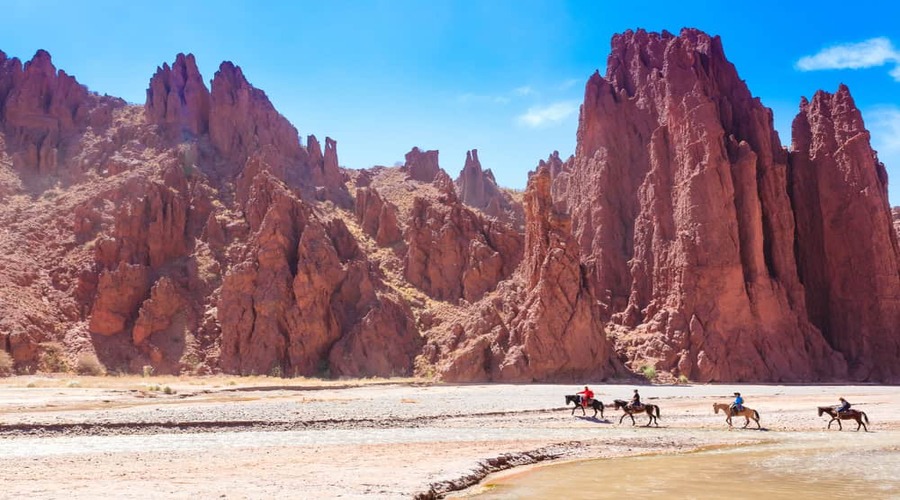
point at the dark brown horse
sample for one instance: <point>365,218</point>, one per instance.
<point>648,408</point>
<point>857,415</point>
<point>596,404</point>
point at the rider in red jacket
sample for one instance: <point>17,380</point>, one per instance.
<point>588,396</point>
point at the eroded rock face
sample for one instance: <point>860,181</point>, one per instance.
<point>896,214</point>
<point>544,325</point>
<point>42,108</point>
<point>685,221</point>
<point>421,165</point>
<point>453,253</point>
<point>847,251</point>
<point>178,99</point>
<point>377,217</point>
<point>242,119</point>
<point>478,188</point>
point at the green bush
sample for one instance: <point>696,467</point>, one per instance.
<point>7,366</point>
<point>87,364</point>
<point>147,371</point>
<point>683,380</point>
<point>168,390</point>
<point>649,372</point>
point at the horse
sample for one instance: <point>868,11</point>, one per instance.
<point>648,408</point>
<point>747,413</point>
<point>596,404</point>
<point>857,415</point>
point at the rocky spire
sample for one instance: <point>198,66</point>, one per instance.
<point>178,99</point>
<point>846,247</point>
<point>679,198</point>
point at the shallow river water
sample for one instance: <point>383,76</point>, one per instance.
<point>829,466</point>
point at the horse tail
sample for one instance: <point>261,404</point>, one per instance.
<point>864,416</point>
<point>756,415</point>
<point>657,410</point>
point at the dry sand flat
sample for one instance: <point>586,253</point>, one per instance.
<point>259,438</point>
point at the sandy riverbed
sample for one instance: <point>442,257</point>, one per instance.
<point>262,438</point>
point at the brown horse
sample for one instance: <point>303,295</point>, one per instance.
<point>648,408</point>
<point>857,415</point>
<point>747,413</point>
<point>596,404</point>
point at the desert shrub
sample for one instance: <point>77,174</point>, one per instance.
<point>7,367</point>
<point>276,371</point>
<point>147,371</point>
<point>683,380</point>
<point>168,390</point>
<point>649,372</point>
<point>53,358</point>
<point>87,364</point>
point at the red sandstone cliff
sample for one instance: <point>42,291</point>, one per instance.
<point>679,197</point>
<point>477,188</point>
<point>847,251</point>
<point>543,325</point>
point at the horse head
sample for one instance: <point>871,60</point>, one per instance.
<point>570,398</point>
<point>824,409</point>
<point>620,403</point>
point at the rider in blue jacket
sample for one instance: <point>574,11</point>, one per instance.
<point>738,404</point>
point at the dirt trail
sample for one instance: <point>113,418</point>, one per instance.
<point>354,441</point>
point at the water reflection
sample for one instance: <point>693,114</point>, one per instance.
<point>838,467</point>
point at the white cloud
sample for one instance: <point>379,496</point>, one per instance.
<point>867,54</point>
<point>482,99</point>
<point>571,82</point>
<point>523,91</point>
<point>884,125</point>
<point>552,113</point>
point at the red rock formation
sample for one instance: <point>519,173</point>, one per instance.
<point>478,189</point>
<point>178,99</point>
<point>41,107</point>
<point>119,294</point>
<point>242,119</point>
<point>324,170</point>
<point>453,254</point>
<point>421,165</point>
<point>896,214</point>
<point>299,292</point>
<point>847,251</point>
<point>679,195</point>
<point>548,328</point>
<point>377,217</point>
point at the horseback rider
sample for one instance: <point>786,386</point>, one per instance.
<point>844,406</point>
<point>738,405</point>
<point>636,400</point>
<point>587,398</point>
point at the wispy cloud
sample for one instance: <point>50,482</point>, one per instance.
<point>868,54</point>
<point>884,124</point>
<point>545,115</point>
<point>566,85</point>
<point>523,91</point>
<point>470,98</point>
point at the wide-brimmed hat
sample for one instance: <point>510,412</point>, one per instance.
<point>737,394</point>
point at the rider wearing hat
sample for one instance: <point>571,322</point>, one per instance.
<point>738,404</point>
<point>636,400</point>
<point>845,405</point>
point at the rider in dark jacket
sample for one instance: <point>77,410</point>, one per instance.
<point>636,400</point>
<point>845,405</point>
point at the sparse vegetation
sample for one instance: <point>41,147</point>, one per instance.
<point>7,367</point>
<point>147,371</point>
<point>53,358</point>
<point>649,372</point>
<point>276,371</point>
<point>683,380</point>
<point>168,390</point>
<point>87,363</point>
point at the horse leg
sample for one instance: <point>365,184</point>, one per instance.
<point>747,421</point>
<point>840,427</point>
<point>728,420</point>
<point>622,417</point>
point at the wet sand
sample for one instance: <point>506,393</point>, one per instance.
<point>235,438</point>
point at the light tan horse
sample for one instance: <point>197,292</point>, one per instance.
<point>747,413</point>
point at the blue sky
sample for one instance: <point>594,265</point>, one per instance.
<point>505,77</point>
